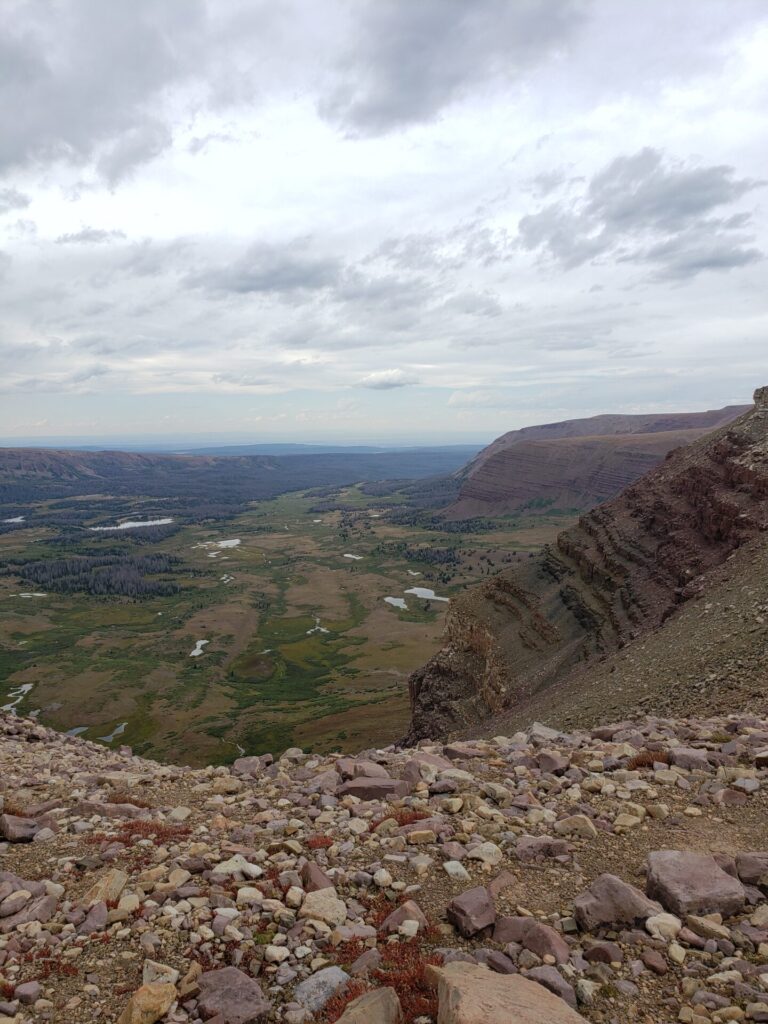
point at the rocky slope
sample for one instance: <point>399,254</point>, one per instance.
<point>628,570</point>
<point>576,464</point>
<point>612,875</point>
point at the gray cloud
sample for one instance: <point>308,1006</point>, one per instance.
<point>87,74</point>
<point>12,199</point>
<point>408,60</point>
<point>642,209</point>
<point>266,268</point>
<point>90,236</point>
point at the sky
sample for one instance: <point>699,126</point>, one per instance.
<point>378,220</point>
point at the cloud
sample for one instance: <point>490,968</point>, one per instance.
<point>87,77</point>
<point>644,209</point>
<point>409,59</point>
<point>90,236</point>
<point>12,199</point>
<point>385,380</point>
<point>268,268</point>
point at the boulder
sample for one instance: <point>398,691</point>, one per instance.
<point>378,1007</point>
<point>752,868</point>
<point>18,830</point>
<point>107,889</point>
<point>315,992</point>
<point>366,788</point>
<point>472,911</point>
<point>408,911</point>
<point>553,980</point>
<point>230,993</point>
<point>313,877</point>
<point>609,900</point>
<point>693,883</point>
<point>471,994</point>
<point>324,905</point>
<point>533,935</point>
<point>148,1004</point>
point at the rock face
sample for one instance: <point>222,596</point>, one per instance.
<point>576,464</point>
<point>468,994</point>
<point>628,571</point>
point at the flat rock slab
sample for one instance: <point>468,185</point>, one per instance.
<point>693,883</point>
<point>470,994</point>
<point>374,789</point>
<point>232,994</point>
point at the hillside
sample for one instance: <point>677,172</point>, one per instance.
<point>628,569</point>
<point>537,878</point>
<point>575,464</point>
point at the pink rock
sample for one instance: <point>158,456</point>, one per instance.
<point>692,883</point>
<point>609,900</point>
<point>232,994</point>
<point>539,938</point>
<point>472,911</point>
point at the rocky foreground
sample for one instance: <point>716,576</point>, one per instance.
<point>613,875</point>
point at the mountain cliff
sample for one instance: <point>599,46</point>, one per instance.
<point>625,571</point>
<point>576,464</point>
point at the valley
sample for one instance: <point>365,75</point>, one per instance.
<point>287,622</point>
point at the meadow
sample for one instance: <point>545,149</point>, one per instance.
<point>301,647</point>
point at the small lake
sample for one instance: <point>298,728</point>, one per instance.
<point>117,731</point>
<point>131,524</point>
<point>426,593</point>
<point>397,602</point>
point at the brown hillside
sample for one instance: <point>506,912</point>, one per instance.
<point>628,568</point>
<point>576,464</point>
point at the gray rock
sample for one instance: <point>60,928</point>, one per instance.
<point>315,992</point>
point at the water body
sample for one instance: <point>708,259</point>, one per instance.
<point>357,558</point>
<point>397,602</point>
<point>117,731</point>
<point>199,645</point>
<point>131,524</point>
<point>17,696</point>
<point>77,730</point>
<point>317,628</point>
<point>426,593</point>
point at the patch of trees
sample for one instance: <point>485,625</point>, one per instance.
<point>114,574</point>
<point>414,553</point>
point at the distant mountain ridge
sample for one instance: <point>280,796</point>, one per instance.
<point>575,464</point>
<point>32,473</point>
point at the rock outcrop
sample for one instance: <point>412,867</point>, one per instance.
<point>624,573</point>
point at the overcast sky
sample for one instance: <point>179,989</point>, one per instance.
<point>372,219</point>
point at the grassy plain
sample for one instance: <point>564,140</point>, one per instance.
<point>302,648</point>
